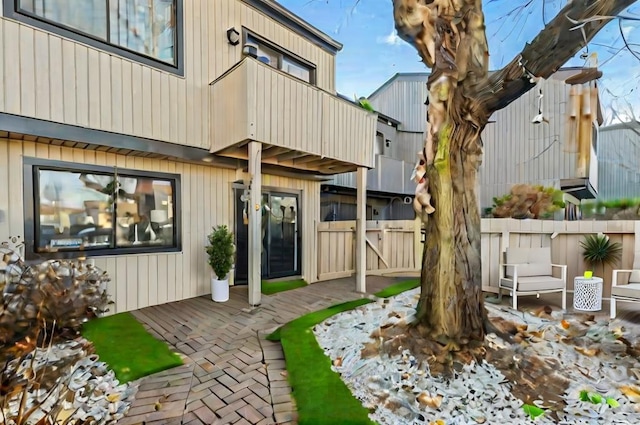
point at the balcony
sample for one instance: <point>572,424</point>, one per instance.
<point>299,125</point>
<point>388,175</point>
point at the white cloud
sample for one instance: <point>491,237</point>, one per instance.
<point>626,30</point>
<point>391,39</point>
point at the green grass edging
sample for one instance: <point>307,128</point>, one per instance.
<point>129,350</point>
<point>321,396</point>
<point>270,288</point>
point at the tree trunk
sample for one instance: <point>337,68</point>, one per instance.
<point>450,37</point>
<point>451,303</point>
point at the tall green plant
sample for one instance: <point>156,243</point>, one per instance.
<point>220,251</point>
<point>598,249</point>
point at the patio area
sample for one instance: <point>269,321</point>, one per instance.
<point>232,375</point>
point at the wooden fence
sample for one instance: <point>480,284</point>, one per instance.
<point>394,246</point>
<point>563,237</point>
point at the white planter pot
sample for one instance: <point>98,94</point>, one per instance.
<point>219,290</point>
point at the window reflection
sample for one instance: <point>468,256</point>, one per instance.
<point>276,58</point>
<point>74,210</point>
<point>85,211</point>
<point>144,26</point>
<point>144,212</point>
<point>88,16</point>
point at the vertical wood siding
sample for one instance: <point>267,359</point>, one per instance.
<point>146,279</point>
<point>618,159</point>
<point>268,106</point>
<point>515,149</point>
<point>404,99</point>
<point>387,175</point>
<point>49,77</point>
<point>497,234</point>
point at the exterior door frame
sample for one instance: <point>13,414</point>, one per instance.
<point>268,190</point>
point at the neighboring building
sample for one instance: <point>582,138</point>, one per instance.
<point>400,104</point>
<point>619,161</point>
<point>126,134</point>
<point>559,151</point>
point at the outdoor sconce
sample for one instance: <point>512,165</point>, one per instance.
<point>387,143</point>
<point>233,36</point>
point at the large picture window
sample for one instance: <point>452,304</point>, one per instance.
<point>100,210</point>
<point>150,28</point>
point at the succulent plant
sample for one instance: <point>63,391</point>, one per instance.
<point>598,249</point>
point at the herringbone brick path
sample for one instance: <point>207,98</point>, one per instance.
<point>231,375</point>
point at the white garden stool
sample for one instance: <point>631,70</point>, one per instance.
<point>587,293</point>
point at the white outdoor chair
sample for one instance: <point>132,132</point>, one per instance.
<point>529,271</point>
<point>630,291</point>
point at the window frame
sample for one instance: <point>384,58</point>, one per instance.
<point>282,52</point>
<point>31,167</point>
<point>11,9</point>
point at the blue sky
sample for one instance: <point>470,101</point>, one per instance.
<point>373,53</point>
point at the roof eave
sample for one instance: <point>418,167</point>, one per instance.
<point>295,23</point>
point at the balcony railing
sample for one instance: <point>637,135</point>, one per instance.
<point>299,125</point>
<point>388,175</point>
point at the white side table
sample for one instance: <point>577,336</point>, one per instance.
<point>587,293</point>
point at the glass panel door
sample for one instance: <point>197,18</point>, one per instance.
<point>280,236</point>
<point>283,258</point>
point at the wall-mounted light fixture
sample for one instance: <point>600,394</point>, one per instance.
<point>233,36</point>
<point>387,143</point>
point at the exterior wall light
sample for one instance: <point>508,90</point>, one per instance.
<point>233,36</point>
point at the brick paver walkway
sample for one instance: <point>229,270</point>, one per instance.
<point>231,375</point>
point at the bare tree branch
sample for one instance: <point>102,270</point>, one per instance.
<point>551,49</point>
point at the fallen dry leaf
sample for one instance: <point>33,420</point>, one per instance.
<point>543,311</point>
<point>537,334</point>
<point>438,422</point>
<point>371,349</point>
<point>337,362</point>
<point>426,400</point>
<point>587,351</point>
<point>112,398</point>
<point>632,392</point>
<point>565,324</point>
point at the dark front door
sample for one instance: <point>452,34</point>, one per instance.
<point>280,236</point>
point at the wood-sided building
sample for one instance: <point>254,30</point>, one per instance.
<point>127,132</point>
<point>548,136</point>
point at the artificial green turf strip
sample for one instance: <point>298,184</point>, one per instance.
<point>129,350</point>
<point>270,288</point>
<point>311,319</point>
<point>398,288</point>
<point>321,395</point>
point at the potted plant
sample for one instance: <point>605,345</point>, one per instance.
<point>220,252</point>
<point>598,249</point>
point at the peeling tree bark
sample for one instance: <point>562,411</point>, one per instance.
<point>450,37</point>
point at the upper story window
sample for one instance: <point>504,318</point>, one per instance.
<point>99,210</point>
<point>147,31</point>
<point>280,59</point>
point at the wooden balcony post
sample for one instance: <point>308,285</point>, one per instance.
<point>255,223</point>
<point>361,230</point>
